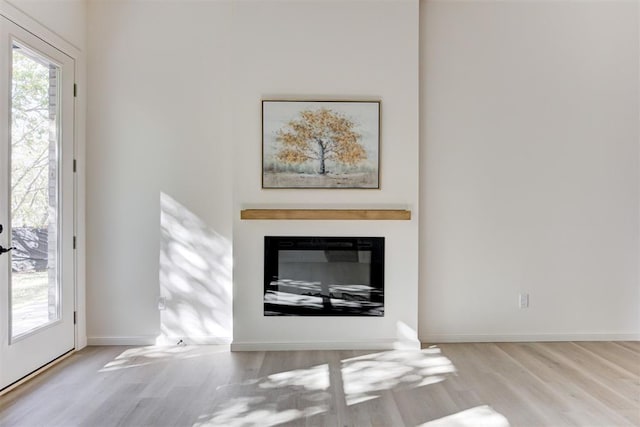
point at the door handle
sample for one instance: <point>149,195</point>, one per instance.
<point>5,250</point>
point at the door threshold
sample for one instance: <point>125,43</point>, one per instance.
<point>37,372</point>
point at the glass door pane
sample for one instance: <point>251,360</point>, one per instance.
<point>35,291</point>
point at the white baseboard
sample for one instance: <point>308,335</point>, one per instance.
<point>359,345</point>
<point>139,340</point>
<point>323,345</point>
<point>203,340</point>
<point>459,338</point>
<point>157,340</point>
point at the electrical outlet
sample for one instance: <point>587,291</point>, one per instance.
<point>523,301</point>
<point>162,303</point>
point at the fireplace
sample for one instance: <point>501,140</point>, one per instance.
<point>323,276</point>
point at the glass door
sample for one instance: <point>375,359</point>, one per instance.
<point>36,203</point>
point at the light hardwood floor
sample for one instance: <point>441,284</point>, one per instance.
<point>528,384</point>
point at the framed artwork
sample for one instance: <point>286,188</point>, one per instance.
<point>320,144</point>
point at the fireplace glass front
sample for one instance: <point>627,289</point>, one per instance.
<point>323,276</point>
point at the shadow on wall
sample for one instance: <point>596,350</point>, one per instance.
<point>195,278</point>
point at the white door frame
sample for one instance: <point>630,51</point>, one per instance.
<point>31,25</point>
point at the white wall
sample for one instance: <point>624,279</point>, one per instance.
<point>528,165</point>
<point>65,18</point>
<point>159,192</point>
<point>326,50</point>
<point>161,171</point>
<point>529,170</point>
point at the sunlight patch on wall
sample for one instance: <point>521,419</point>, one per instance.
<point>406,337</point>
<point>195,278</point>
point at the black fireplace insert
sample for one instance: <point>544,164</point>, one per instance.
<point>323,276</point>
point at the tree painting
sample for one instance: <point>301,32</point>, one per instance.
<point>320,135</point>
<point>320,144</point>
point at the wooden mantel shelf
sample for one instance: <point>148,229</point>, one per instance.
<point>355,214</point>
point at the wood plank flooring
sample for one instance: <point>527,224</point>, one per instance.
<point>518,384</point>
